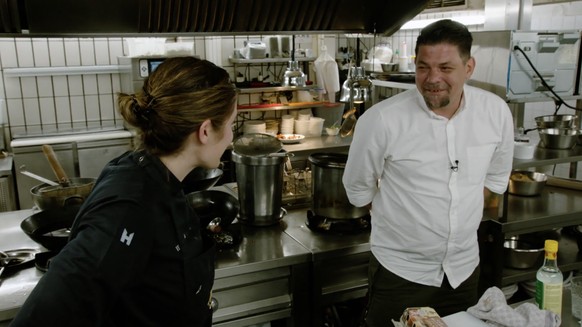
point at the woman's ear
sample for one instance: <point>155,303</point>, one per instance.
<point>204,131</point>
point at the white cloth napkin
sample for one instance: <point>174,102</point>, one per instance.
<point>492,307</point>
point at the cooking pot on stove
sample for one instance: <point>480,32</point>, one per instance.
<point>329,198</point>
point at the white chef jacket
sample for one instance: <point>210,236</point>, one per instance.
<point>424,175</point>
<point>327,74</point>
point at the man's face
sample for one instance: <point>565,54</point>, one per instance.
<point>441,75</point>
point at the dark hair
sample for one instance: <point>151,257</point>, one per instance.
<point>175,100</point>
<point>447,31</point>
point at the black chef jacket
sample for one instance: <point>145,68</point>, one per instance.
<point>136,256</point>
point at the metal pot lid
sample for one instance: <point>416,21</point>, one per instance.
<point>257,144</point>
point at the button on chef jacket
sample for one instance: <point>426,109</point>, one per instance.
<point>327,74</point>
<point>430,173</point>
<point>136,256</point>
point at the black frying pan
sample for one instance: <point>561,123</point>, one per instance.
<point>201,179</point>
<point>50,228</point>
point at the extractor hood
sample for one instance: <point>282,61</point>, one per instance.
<point>178,17</point>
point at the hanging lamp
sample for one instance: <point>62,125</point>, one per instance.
<point>358,87</point>
<point>293,75</point>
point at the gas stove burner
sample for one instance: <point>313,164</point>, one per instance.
<point>337,226</point>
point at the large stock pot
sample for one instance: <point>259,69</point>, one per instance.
<point>329,197</point>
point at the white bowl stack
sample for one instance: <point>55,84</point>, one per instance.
<point>254,126</point>
<point>287,124</point>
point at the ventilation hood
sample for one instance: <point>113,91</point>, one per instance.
<point>175,17</point>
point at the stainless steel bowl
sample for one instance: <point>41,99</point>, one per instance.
<point>558,138</point>
<point>389,67</point>
<point>526,183</point>
<point>522,254</point>
<point>555,121</point>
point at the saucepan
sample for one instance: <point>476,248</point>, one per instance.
<point>47,196</point>
<point>67,191</point>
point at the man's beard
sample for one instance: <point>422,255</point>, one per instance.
<point>436,103</point>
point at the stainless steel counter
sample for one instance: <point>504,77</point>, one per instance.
<point>277,250</point>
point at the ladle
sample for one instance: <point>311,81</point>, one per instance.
<point>56,165</point>
<point>23,171</point>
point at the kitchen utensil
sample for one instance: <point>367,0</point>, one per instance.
<point>555,121</point>
<point>17,259</point>
<point>349,123</point>
<point>389,67</point>
<point>201,179</point>
<point>25,172</point>
<point>214,207</point>
<point>217,210</point>
<point>260,187</point>
<point>50,228</point>
<point>46,196</point>
<point>522,254</point>
<point>526,183</point>
<point>55,165</point>
<point>558,138</point>
<point>256,144</point>
<point>329,198</point>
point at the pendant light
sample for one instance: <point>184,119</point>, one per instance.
<point>357,88</point>
<point>293,75</point>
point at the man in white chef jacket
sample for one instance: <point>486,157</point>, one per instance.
<point>425,161</point>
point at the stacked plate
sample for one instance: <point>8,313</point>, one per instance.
<point>304,114</point>
<point>287,124</point>
<point>254,126</point>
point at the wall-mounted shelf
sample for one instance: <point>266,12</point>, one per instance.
<point>268,60</point>
<point>277,106</point>
<point>67,70</point>
<point>277,89</point>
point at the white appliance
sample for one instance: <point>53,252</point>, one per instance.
<point>507,61</point>
<point>139,68</point>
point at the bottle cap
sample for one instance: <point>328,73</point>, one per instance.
<point>551,246</point>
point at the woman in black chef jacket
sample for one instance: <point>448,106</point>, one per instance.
<point>137,255</point>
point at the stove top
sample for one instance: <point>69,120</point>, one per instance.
<point>337,226</point>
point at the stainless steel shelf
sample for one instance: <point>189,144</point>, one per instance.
<point>543,157</point>
<point>569,258</point>
<point>555,207</point>
<point>277,89</point>
<point>268,60</point>
<point>284,107</point>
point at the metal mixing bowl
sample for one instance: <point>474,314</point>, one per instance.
<point>389,67</point>
<point>521,254</point>
<point>526,183</point>
<point>555,121</point>
<point>558,138</point>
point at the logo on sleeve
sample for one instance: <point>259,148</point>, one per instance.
<point>126,237</point>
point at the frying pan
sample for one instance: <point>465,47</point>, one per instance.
<point>211,204</point>
<point>201,179</point>
<point>50,227</point>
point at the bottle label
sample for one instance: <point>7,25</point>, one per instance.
<point>549,296</point>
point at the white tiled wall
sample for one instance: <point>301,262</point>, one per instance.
<point>64,99</point>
